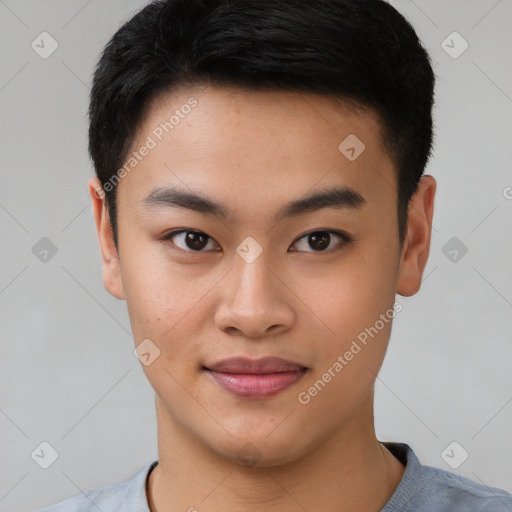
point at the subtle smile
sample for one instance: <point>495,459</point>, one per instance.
<point>260,378</point>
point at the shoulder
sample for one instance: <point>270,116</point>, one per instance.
<point>425,488</point>
<point>457,492</point>
<point>127,496</point>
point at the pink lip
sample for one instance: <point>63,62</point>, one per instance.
<point>256,378</point>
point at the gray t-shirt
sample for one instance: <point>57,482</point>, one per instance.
<point>422,489</point>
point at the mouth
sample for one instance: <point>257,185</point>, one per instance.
<point>261,378</point>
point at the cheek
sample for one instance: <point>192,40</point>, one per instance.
<point>351,295</point>
<point>352,308</point>
<point>359,321</point>
<point>171,314</point>
<point>160,300</point>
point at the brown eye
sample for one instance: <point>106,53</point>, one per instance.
<point>321,241</point>
<point>191,241</point>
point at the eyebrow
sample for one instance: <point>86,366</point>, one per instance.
<point>173,197</point>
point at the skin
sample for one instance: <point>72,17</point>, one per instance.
<point>254,152</point>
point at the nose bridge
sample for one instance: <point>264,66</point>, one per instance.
<point>253,303</point>
<point>252,279</point>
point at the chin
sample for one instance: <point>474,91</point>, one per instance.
<point>263,451</point>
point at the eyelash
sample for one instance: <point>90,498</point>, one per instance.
<point>345,239</point>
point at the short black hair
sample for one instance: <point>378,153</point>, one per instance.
<point>362,51</point>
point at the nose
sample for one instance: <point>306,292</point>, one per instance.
<point>254,301</point>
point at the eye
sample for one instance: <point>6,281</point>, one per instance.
<point>196,241</point>
<point>321,241</point>
<point>191,241</point>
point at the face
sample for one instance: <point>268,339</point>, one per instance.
<point>224,253</point>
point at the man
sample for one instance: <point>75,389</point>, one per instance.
<point>260,201</point>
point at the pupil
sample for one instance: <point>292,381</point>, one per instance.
<point>195,240</point>
<point>319,241</point>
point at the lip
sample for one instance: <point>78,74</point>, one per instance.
<point>255,366</point>
<point>255,378</point>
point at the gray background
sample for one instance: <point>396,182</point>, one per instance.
<point>68,374</point>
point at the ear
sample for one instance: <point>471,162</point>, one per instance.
<point>416,245</point>
<point>109,256</point>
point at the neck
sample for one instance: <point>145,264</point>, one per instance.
<point>350,471</point>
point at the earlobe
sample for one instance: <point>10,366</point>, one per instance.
<point>109,255</point>
<point>417,240</point>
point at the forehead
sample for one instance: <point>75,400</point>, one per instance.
<point>237,143</point>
